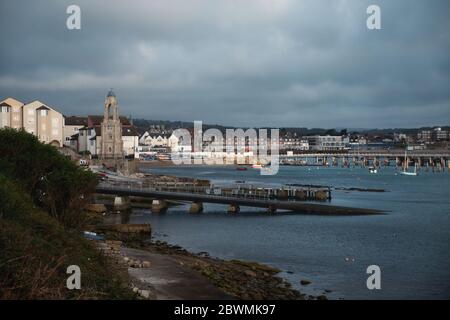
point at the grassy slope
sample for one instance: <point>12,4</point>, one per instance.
<point>35,252</point>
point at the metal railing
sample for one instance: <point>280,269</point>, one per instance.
<point>243,193</point>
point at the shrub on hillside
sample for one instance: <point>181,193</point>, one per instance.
<point>53,181</point>
<point>35,252</point>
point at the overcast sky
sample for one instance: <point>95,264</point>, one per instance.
<point>240,63</point>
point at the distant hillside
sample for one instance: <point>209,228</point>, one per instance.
<point>143,124</point>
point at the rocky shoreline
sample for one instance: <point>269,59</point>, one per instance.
<point>236,279</point>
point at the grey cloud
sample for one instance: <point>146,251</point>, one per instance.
<point>244,63</point>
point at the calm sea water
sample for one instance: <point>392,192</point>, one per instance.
<point>411,243</point>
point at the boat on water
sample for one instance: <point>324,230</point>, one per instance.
<point>373,170</point>
<point>241,168</point>
<point>257,166</point>
<point>405,171</point>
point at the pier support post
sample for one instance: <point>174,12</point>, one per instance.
<point>122,203</point>
<point>271,209</point>
<point>159,206</point>
<point>233,208</point>
<point>196,207</point>
<point>320,195</point>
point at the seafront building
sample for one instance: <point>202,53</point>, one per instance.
<point>108,136</point>
<point>11,113</point>
<point>72,126</point>
<point>35,117</point>
<point>326,143</point>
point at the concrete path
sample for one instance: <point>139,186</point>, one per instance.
<point>168,279</point>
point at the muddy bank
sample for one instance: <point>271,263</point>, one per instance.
<point>234,278</point>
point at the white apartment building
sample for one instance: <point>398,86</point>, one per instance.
<point>90,139</point>
<point>326,143</point>
<point>35,117</point>
<point>11,113</point>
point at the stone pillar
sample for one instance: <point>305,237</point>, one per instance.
<point>271,209</point>
<point>320,195</point>
<point>159,206</point>
<point>121,203</point>
<point>233,208</point>
<point>301,195</point>
<point>196,207</point>
<point>282,194</point>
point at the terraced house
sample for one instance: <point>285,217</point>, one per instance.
<point>35,117</point>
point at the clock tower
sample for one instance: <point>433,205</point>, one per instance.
<point>111,144</point>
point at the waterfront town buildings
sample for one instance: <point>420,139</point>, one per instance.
<point>111,135</point>
<point>158,139</point>
<point>72,126</point>
<point>89,138</point>
<point>35,117</point>
<point>326,143</point>
<point>83,134</point>
<point>294,143</point>
<point>11,113</point>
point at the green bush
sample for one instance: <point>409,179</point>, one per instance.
<point>35,251</point>
<point>54,182</point>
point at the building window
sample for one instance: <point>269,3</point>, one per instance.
<point>5,109</point>
<point>44,113</point>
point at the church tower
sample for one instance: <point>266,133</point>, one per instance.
<point>111,144</point>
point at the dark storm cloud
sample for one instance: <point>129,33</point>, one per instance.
<point>244,63</point>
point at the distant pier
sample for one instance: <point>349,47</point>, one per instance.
<point>436,159</point>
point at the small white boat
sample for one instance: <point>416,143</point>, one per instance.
<point>405,166</point>
<point>256,166</point>
<point>373,170</point>
<point>407,173</point>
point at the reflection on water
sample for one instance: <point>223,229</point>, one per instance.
<point>410,243</point>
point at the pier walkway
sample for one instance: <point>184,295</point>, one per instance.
<point>297,199</point>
